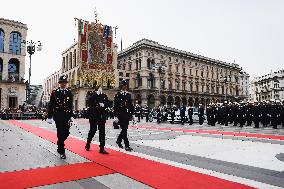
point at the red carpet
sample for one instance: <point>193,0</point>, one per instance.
<point>212,132</point>
<point>154,174</point>
<point>51,175</point>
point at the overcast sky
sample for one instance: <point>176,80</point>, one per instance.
<point>251,32</point>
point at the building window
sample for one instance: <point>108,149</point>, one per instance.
<point>201,75</point>
<point>15,43</point>
<point>177,83</point>
<point>13,69</point>
<point>196,73</point>
<point>1,68</point>
<point>170,85</point>
<point>129,67</point>
<point>197,89</point>
<point>183,71</point>
<point>170,59</point>
<point>176,60</point>
<point>75,58</point>
<point>63,63</point>
<point>67,62</point>
<point>190,72</point>
<point>13,102</point>
<point>190,87</point>
<point>183,86</point>
<point>149,63</point>
<point>1,40</point>
<point>139,64</point>
<point>176,68</point>
<point>170,68</point>
<point>70,62</point>
<point>127,74</point>
<point>121,74</point>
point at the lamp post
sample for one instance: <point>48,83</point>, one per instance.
<point>225,80</point>
<point>159,67</point>
<point>31,48</point>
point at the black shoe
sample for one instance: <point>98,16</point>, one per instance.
<point>87,147</point>
<point>103,152</point>
<point>62,156</point>
<point>119,145</point>
<point>128,149</point>
<point>58,151</point>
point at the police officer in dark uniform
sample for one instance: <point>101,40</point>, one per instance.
<point>123,110</point>
<point>201,114</point>
<point>256,114</point>
<point>61,110</point>
<point>97,111</point>
<point>182,114</point>
<point>138,112</point>
<point>190,113</point>
<point>146,112</point>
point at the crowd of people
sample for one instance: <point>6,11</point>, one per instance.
<point>25,111</point>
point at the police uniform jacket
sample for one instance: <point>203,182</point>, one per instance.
<point>60,105</point>
<point>123,107</point>
<point>95,111</point>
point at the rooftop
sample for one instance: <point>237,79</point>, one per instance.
<point>151,43</point>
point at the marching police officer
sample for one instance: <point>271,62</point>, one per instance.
<point>123,110</point>
<point>182,114</point>
<point>97,111</point>
<point>61,109</point>
<point>201,114</point>
<point>190,113</point>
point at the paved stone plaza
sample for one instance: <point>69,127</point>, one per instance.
<point>242,158</point>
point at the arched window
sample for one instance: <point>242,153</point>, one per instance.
<point>1,40</point>
<point>1,68</point>
<point>15,43</point>
<point>13,69</point>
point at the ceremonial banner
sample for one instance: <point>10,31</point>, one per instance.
<point>96,53</point>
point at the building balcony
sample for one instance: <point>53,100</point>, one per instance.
<point>177,74</point>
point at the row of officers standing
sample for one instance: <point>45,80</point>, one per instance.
<point>61,111</point>
<point>266,112</point>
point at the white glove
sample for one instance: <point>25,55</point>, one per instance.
<point>49,121</point>
<point>102,105</point>
<point>72,119</point>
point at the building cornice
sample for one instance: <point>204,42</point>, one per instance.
<point>13,23</point>
<point>72,46</point>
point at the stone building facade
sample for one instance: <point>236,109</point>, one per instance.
<point>12,63</point>
<point>268,87</point>
<point>184,78</point>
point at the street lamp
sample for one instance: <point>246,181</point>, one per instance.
<point>160,68</point>
<point>31,45</point>
<point>225,80</point>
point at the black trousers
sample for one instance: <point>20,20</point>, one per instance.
<point>201,120</point>
<point>123,133</point>
<point>190,120</point>
<point>62,134</point>
<point>94,126</point>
